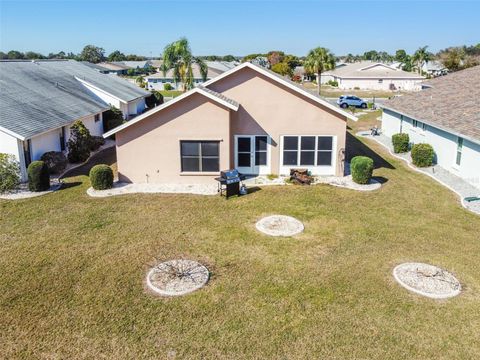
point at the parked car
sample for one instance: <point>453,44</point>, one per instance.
<point>345,101</point>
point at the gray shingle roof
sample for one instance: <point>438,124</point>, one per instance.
<point>219,96</point>
<point>450,104</point>
<point>39,96</point>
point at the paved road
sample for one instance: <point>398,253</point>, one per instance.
<point>378,101</point>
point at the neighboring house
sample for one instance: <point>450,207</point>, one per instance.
<point>373,76</point>
<point>144,64</point>
<point>111,68</point>
<point>300,73</point>
<point>434,68</point>
<point>222,66</point>
<point>157,81</point>
<point>247,118</point>
<point>445,115</point>
<point>39,100</point>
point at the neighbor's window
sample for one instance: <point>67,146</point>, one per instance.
<point>380,81</point>
<point>97,117</point>
<point>307,150</point>
<point>200,156</point>
<point>459,151</point>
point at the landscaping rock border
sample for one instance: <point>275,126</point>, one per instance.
<point>23,193</point>
<point>348,183</point>
<point>279,225</point>
<point>177,277</point>
<point>121,188</point>
<point>427,280</point>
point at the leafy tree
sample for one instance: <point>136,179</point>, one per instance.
<point>79,142</point>
<point>292,61</point>
<point>178,56</point>
<point>349,58</point>
<point>282,68</point>
<point>251,57</point>
<point>93,54</point>
<point>14,54</point>
<point>371,55</point>
<point>275,57</point>
<point>9,172</point>
<point>112,118</point>
<point>228,58</point>
<point>133,57</point>
<point>3,56</point>
<point>33,55</point>
<point>401,55</point>
<point>420,57</point>
<point>453,58</point>
<point>116,56</point>
<point>319,60</point>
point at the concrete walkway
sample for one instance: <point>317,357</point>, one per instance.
<point>444,177</point>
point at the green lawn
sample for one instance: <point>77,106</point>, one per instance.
<point>72,272</point>
<point>171,93</point>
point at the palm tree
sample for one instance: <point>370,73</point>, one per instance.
<point>178,56</point>
<point>420,57</point>
<point>319,60</point>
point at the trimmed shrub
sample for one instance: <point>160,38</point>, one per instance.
<point>101,177</point>
<point>9,173</point>
<point>400,143</point>
<point>422,155</point>
<point>362,169</point>
<point>167,87</point>
<point>79,143</point>
<point>55,160</point>
<point>96,142</point>
<point>38,176</point>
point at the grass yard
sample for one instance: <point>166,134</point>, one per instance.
<point>171,93</point>
<point>72,271</point>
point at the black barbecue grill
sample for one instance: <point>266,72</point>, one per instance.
<point>229,182</point>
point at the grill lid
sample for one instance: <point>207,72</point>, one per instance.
<point>229,174</point>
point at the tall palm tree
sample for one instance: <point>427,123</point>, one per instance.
<point>420,57</point>
<point>178,56</point>
<point>319,60</point>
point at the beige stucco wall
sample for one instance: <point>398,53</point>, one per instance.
<point>268,108</point>
<point>149,151</point>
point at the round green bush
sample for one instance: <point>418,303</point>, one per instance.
<point>362,169</point>
<point>167,87</point>
<point>422,155</point>
<point>400,143</point>
<point>101,177</point>
<point>38,176</point>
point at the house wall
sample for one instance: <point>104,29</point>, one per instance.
<point>374,84</point>
<point>443,143</point>
<point>11,145</point>
<point>149,151</point>
<point>268,108</point>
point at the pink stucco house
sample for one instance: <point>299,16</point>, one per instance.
<point>248,118</point>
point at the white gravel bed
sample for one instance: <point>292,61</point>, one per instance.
<point>121,188</point>
<point>347,182</point>
<point>177,277</point>
<point>427,280</point>
<point>264,180</point>
<point>279,225</point>
<point>23,193</point>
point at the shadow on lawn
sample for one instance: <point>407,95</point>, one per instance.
<point>68,185</point>
<point>355,148</point>
<point>107,156</point>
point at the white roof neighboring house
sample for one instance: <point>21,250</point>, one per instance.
<point>195,69</point>
<point>433,66</point>
<point>222,65</point>
<point>368,69</point>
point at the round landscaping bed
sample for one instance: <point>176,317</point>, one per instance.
<point>279,225</point>
<point>427,280</point>
<point>177,277</point>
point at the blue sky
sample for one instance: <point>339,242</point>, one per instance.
<point>237,27</point>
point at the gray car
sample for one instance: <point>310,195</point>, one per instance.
<point>345,101</point>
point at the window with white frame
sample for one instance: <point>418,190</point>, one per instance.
<point>97,117</point>
<point>459,151</point>
<point>200,156</point>
<point>307,150</point>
